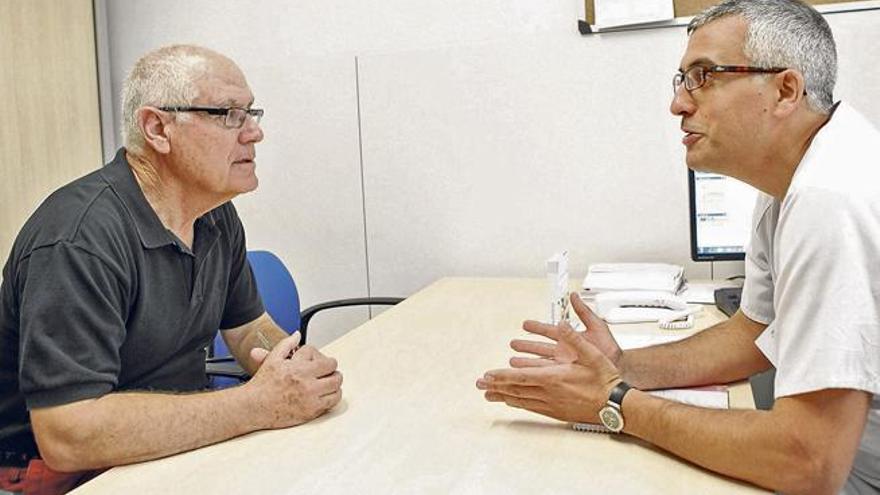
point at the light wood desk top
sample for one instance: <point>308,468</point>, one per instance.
<point>412,421</point>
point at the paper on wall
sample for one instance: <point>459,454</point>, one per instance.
<point>617,13</point>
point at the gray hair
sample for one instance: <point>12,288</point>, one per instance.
<point>785,33</point>
<point>166,76</point>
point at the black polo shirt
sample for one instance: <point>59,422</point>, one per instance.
<point>98,296</point>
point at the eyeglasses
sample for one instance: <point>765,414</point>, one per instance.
<point>695,77</point>
<point>235,116</point>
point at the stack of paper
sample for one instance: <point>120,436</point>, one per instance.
<point>663,277</point>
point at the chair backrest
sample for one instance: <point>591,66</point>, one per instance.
<point>278,291</point>
<point>277,288</point>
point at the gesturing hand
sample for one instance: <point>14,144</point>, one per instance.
<point>570,390</point>
<point>597,333</point>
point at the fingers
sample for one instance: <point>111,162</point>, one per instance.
<point>329,384</point>
<point>285,348</point>
<point>496,384</point>
<point>538,328</point>
<point>524,362</point>
<point>533,376</point>
<point>490,378</point>
<point>542,349</point>
<point>318,367</point>
<point>585,314</point>
<point>586,352</point>
<point>329,401</point>
<point>306,353</point>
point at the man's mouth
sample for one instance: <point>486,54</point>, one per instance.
<point>690,137</point>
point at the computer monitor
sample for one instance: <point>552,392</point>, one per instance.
<point>721,216</point>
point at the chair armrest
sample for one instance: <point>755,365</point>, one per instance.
<point>226,367</point>
<point>309,312</point>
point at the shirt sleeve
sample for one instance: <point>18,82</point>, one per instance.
<point>243,302</point>
<point>827,327</point>
<point>72,324</point>
<point>757,295</point>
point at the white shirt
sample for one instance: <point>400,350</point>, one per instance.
<point>813,273</point>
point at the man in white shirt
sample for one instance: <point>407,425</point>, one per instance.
<point>754,93</point>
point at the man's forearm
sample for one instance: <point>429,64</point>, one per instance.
<point>805,447</point>
<point>264,334</point>
<point>127,427</point>
<point>723,353</point>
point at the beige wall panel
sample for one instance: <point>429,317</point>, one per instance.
<point>51,130</point>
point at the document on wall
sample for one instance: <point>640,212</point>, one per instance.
<point>611,14</point>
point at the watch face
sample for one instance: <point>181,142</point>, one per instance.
<point>611,418</point>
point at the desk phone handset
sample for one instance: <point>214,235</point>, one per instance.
<point>642,306</point>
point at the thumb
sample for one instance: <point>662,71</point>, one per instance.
<point>586,352</point>
<point>586,315</point>
<point>258,354</point>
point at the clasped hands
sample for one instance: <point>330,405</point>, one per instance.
<point>294,384</point>
<point>568,379</point>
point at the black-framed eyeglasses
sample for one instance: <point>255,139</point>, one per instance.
<point>234,116</point>
<point>695,77</point>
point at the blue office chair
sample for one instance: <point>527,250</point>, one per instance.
<point>281,299</point>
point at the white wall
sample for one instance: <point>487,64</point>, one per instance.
<point>493,134</point>
<point>486,159</point>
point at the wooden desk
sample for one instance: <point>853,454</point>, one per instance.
<point>412,421</point>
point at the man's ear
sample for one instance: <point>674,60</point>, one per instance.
<point>153,124</point>
<point>790,90</point>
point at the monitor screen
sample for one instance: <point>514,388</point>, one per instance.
<point>721,216</point>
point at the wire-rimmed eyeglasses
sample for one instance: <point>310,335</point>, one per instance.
<point>695,77</point>
<point>234,116</point>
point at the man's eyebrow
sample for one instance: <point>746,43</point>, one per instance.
<point>232,102</point>
<point>699,61</point>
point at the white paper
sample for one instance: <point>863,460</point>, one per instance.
<point>634,341</point>
<point>634,276</point>
<point>715,399</point>
<point>616,13</point>
<point>699,293</point>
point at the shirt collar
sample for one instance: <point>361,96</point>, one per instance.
<point>150,229</point>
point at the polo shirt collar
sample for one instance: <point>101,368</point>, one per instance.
<point>150,229</point>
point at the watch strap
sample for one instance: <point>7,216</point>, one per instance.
<point>617,393</point>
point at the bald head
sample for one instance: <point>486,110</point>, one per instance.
<point>168,76</point>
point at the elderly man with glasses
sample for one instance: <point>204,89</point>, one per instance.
<point>754,94</point>
<point>120,279</point>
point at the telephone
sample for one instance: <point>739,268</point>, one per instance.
<point>641,306</point>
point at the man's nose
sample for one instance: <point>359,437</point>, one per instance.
<point>682,102</point>
<point>251,132</point>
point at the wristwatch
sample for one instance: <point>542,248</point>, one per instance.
<point>611,415</point>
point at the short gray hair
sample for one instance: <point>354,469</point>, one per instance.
<point>785,33</point>
<point>166,76</point>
